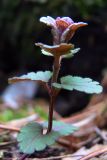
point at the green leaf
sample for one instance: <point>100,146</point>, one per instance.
<point>62,128</point>
<point>31,138</point>
<point>80,84</point>
<point>38,76</point>
<point>57,85</point>
<point>71,53</point>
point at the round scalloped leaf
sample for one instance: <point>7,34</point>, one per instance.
<point>80,84</point>
<point>31,138</point>
<point>32,76</point>
<point>62,128</point>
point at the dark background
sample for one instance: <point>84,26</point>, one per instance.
<point>20,29</point>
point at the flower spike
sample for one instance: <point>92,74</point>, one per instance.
<point>63,28</point>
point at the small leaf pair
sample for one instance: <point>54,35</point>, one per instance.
<point>69,54</point>
<point>67,82</point>
<point>56,50</point>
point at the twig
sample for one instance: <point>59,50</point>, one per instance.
<point>58,157</point>
<point>24,156</point>
<point>6,144</point>
<point>9,128</point>
<point>94,154</point>
<point>99,132</point>
<point>4,133</point>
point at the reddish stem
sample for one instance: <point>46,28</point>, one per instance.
<point>56,68</point>
<point>50,118</point>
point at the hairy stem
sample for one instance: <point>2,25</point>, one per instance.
<point>56,68</point>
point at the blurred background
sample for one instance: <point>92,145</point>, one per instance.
<point>20,29</point>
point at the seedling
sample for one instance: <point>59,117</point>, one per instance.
<point>32,136</point>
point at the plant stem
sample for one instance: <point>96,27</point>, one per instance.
<point>56,68</point>
<point>50,118</point>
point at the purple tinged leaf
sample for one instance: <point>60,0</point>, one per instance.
<point>56,50</point>
<point>63,28</point>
